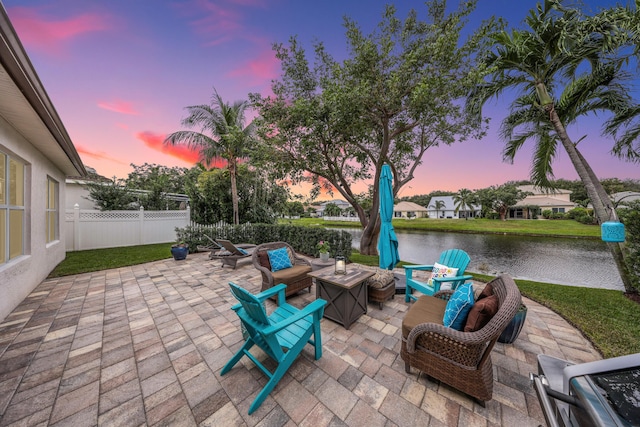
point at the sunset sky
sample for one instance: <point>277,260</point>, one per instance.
<point>120,73</point>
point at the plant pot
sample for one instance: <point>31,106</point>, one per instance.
<point>179,252</point>
<point>511,332</point>
<point>324,256</point>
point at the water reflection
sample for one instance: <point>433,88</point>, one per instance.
<point>577,262</point>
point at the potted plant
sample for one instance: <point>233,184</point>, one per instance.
<point>179,250</point>
<point>323,249</point>
<point>511,332</point>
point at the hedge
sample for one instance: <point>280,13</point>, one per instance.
<point>303,239</point>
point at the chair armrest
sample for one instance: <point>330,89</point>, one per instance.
<point>452,279</point>
<point>438,281</point>
<point>298,260</point>
<point>315,306</point>
<point>418,267</point>
<point>262,296</point>
<point>443,340</point>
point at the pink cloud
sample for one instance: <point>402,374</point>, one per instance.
<point>263,68</point>
<point>99,155</point>
<point>48,34</point>
<point>156,142</point>
<point>118,106</point>
<point>215,23</point>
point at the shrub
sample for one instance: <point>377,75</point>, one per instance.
<point>585,219</point>
<point>546,214</point>
<point>303,239</point>
<point>630,217</point>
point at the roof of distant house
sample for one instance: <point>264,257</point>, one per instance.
<point>409,207</point>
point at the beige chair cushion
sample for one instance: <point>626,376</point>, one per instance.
<point>289,274</point>
<point>426,309</point>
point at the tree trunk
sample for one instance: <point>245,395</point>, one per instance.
<point>234,192</point>
<point>370,233</point>
<point>595,191</point>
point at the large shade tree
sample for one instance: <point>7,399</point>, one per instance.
<point>565,66</point>
<point>397,94</point>
<point>220,134</point>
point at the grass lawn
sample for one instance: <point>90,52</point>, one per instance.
<point>103,259</point>
<point>607,318</point>
<point>533,227</point>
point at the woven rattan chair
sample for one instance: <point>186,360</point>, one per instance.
<point>459,359</point>
<point>296,278</point>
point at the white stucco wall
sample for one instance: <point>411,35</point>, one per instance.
<point>77,193</point>
<point>21,275</point>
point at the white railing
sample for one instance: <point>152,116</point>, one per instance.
<point>92,229</point>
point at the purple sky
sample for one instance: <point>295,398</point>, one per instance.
<point>121,72</point>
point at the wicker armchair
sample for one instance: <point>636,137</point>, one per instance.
<point>459,359</point>
<point>295,278</point>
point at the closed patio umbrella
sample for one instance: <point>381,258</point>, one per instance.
<point>387,240</point>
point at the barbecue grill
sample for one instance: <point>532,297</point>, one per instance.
<point>602,393</point>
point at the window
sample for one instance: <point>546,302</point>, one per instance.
<point>11,208</point>
<point>558,210</point>
<point>52,210</point>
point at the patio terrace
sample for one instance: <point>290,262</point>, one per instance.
<point>144,345</point>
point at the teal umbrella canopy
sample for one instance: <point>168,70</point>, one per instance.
<point>387,240</point>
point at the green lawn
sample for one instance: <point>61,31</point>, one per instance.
<point>103,259</point>
<point>606,317</point>
<point>534,227</point>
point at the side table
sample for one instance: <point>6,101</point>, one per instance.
<point>346,294</point>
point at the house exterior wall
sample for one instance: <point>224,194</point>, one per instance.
<point>19,276</point>
<point>449,209</point>
<point>77,193</point>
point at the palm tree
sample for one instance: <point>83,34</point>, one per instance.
<point>438,205</point>
<point>463,200</point>
<point>221,135</point>
<point>561,54</point>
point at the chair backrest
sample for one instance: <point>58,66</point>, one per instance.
<point>253,307</point>
<point>509,301</point>
<point>455,258</point>
<point>260,257</point>
<point>230,247</point>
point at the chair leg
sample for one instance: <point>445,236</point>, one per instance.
<point>277,375</point>
<point>236,357</point>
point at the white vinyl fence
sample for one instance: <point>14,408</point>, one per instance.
<point>92,229</point>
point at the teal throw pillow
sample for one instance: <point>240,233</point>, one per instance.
<point>242,251</point>
<point>458,307</point>
<point>279,259</point>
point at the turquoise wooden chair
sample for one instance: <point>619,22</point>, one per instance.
<point>287,328</point>
<point>453,258</point>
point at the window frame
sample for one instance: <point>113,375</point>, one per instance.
<point>52,186</point>
<point>12,202</point>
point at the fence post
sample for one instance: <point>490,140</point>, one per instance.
<point>188,216</point>
<point>76,227</point>
<point>141,234</point>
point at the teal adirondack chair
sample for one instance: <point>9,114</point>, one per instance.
<point>453,258</point>
<point>287,328</point>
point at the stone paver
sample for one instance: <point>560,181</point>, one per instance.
<point>144,345</point>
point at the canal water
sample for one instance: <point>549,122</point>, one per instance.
<point>566,261</point>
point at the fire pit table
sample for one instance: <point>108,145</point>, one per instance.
<point>346,294</point>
